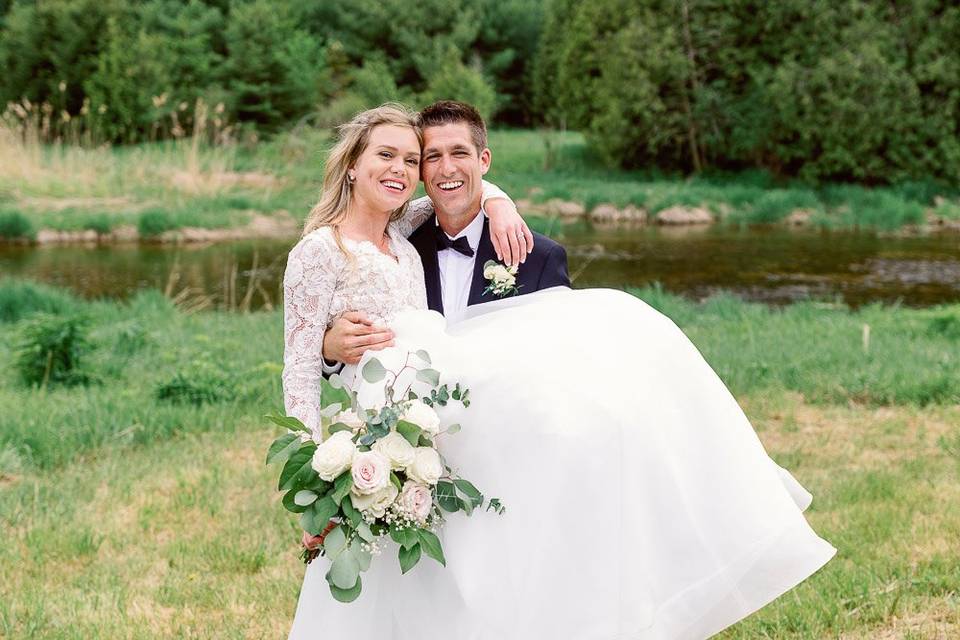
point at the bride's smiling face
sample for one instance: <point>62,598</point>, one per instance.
<point>386,173</point>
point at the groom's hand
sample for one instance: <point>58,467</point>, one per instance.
<point>351,335</point>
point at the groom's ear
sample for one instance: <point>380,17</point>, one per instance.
<point>486,157</point>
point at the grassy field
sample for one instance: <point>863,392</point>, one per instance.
<point>137,505</point>
<point>164,186</point>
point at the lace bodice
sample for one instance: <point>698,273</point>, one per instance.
<point>321,284</point>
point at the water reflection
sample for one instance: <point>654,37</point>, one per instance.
<point>775,266</point>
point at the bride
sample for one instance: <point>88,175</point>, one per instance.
<point>640,503</point>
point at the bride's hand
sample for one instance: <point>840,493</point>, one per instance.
<point>512,239</point>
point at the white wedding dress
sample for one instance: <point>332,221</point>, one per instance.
<point>640,503</point>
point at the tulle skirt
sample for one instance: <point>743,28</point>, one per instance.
<point>640,504</point>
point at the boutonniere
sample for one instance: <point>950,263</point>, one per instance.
<point>501,280</point>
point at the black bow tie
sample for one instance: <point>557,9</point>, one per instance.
<point>460,245</point>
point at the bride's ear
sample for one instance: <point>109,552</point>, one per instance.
<point>351,175</point>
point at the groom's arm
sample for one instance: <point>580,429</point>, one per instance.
<point>346,340</point>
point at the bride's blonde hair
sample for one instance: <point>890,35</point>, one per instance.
<point>337,190</point>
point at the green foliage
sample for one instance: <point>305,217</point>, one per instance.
<point>154,222</point>
<point>843,91</point>
<point>200,382</point>
<point>21,298</point>
<point>50,350</point>
<point>14,225</point>
<point>455,81</point>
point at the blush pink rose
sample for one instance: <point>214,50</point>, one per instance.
<point>416,499</point>
<point>370,471</point>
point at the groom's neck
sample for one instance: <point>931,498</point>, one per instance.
<point>454,224</point>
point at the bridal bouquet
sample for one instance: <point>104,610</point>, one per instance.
<point>373,472</point>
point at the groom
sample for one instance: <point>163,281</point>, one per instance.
<point>455,243</point>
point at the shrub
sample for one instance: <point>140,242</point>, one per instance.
<point>154,222</point>
<point>198,384</point>
<point>14,225</point>
<point>51,349</point>
<point>19,299</point>
<point>101,223</point>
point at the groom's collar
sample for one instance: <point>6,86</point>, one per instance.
<point>471,232</point>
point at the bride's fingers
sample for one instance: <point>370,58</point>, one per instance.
<point>514,258</point>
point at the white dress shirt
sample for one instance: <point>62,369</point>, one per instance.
<point>456,270</point>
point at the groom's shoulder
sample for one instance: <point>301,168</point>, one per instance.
<point>545,248</point>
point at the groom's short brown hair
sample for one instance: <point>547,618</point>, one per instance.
<point>453,112</point>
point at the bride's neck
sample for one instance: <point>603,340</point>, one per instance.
<point>363,223</point>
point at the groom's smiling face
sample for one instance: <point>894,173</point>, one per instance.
<point>453,169</point>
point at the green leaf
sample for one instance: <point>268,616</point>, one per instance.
<point>297,464</point>
<point>323,510</point>
<point>423,355</point>
<point>364,531</point>
<point>308,522</point>
<point>338,426</point>
<point>331,410</point>
<point>454,428</point>
<point>318,485</point>
<point>431,545</point>
<point>409,431</point>
<point>304,498</point>
<point>373,371</point>
<point>447,496</point>
<point>430,376</point>
<point>363,557</point>
<point>344,571</point>
<point>335,542</point>
<point>331,395</point>
<point>466,505</point>
<point>289,504</point>
<point>341,486</point>
<point>470,491</point>
<point>409,557</point>
<point>425,441</point>
<point>395,479</point>
<point>456,392</point>
<point>287,422</point>
<point>351,512</point>
<point>346,595</point>
<point>406,537</point>
<point>282,447</point>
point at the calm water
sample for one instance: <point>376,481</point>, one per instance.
<point>775,266</point>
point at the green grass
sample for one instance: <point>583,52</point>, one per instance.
<point>74,189</point>
<point>129,513</point>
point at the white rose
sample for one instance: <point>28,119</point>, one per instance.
<point>334,455</point>
<point>427,467</point>
<point>416,499</point>
<point>371,471</point>
<point>351,419</point>
<point>396,449</point>
<point>489,271</point>
<point>377,502</point>
<point>423,416</point>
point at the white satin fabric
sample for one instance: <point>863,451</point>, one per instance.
<point>640,503</point>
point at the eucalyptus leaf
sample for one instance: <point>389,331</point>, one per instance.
<point>289,504</point>
<point>331,395</point>
<point>356,519</point>
<point>308,522</point>
<point>346,595</point>
<point>364,531</point>
<point>431,545</point>
<point>466,505</point>
<point>430,376</point>
<point>338,426</point>
<point>423,355</point>
<point>304,498</point>
<point>334,542</point>
<point>406,537</point>
<point>373,371</point>
<point>283,447</point>
<point>454,428</point>
<point>467,488</point>
<point>324,509</point>
<point>409,431</point>
<point>331,410</point>
<point>409,557</point>
<point>287,422</point>
<point>363,557</point>
<point>395,479</point>
<point>344,571</point>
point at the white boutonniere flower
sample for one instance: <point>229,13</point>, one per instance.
<point>502,280</point>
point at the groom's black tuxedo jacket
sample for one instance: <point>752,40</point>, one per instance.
<point>545,267</point>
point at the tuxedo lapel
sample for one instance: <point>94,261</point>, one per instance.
<point>484,252</point>
<point>425,242</point>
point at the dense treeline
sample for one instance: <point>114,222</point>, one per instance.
<point>858,90</point>
<point>824,89</point>
<point>134,71</point>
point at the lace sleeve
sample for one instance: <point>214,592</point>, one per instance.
<point>309,283</point>
<point>422,208</point>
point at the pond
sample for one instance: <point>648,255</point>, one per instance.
<point>774,266</point>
